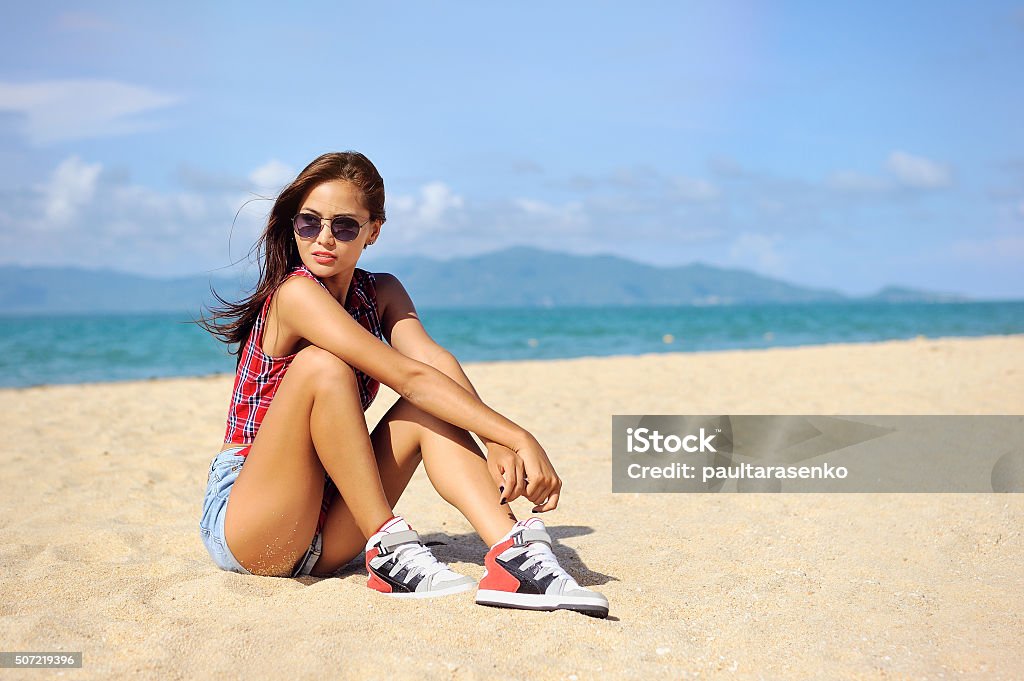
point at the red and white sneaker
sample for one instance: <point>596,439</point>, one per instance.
<point>522,572</point>
<point>400,565</point>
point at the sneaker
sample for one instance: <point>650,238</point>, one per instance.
<point>522,572</point>
<point>400,565</point>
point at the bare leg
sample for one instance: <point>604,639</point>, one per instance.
<point>454,464</point>
<point>315,423</point>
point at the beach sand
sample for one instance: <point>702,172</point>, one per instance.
<point>100,552</point>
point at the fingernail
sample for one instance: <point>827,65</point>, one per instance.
<point>502,502</point>
<point>502,488</point>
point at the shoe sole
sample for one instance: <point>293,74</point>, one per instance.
<point>457,589</point>
<point>593,606</point>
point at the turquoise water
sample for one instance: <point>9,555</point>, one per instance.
<point>75,349</point>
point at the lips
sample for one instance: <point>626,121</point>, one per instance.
<point>323,258</point>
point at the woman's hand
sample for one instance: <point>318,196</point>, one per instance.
<point>543,484</point>
<point>507,469</point>
<point>527,472</point>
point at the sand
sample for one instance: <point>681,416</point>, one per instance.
<point>99,545</point>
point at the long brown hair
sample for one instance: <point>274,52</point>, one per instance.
<point>275,249</point>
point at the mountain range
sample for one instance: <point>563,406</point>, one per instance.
<point>514,277</point>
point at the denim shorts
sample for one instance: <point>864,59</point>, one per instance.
<point>224,471</point>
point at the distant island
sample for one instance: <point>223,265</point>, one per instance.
<point>513,277</point>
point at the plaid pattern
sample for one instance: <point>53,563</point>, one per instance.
<point>259,375</point>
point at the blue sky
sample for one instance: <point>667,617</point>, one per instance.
<point>842,145</point>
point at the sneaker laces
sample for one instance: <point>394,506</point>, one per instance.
<point>417,558</point>
<point>538,553</point>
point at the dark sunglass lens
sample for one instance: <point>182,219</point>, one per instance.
<point>307,225</point>
<point>345,229</point>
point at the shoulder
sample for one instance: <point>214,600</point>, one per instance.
<point>388,286</point>
<point>300,282</point>
<point>383,281</point>
<point>301,278</point>
<point>392,297</point>
<point>302,272</point>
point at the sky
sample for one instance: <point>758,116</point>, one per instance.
<point>846,146</point>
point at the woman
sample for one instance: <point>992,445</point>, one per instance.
<point>311,357</point>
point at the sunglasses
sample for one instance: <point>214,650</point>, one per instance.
<point>343,227</point>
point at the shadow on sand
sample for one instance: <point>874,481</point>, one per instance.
<point>469,548</point>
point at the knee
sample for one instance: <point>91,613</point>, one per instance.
<point>324,368</point>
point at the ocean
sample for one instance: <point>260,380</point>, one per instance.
<point>38,350</point>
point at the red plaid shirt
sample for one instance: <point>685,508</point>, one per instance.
<point>259,375</point>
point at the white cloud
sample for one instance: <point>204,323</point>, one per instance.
<point>252,207</point>
<point>168,212</point>
<point>71,187</point>
<point>918,171</point>
<point>856,183</point>
<point>906,170</point>
<point>60,110</point>
<point>551,219</point>
<point>726,166</point>
<point>107,221</point>
<point>689,189</point>
<point>272,176</point>
<point>772,208</point>
<point>437,198</point>
<point>758,251</point>
<point>434,206</point>
<point>635,177</point>
<point>85,22</point>
<point>415,222</point>
<point>989,250</point>
<point>111,221</point>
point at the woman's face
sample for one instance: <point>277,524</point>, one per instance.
<point>324,254</point>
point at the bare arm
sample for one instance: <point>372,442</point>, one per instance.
<point>531,475</point>
<point>446,364</point>
<point>308,311</point>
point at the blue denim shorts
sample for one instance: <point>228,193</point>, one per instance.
<point>224,471</point>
